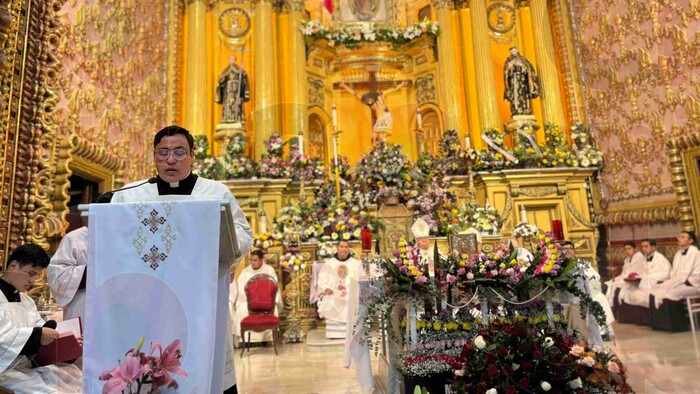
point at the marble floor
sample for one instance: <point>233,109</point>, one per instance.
<point>657,362</point>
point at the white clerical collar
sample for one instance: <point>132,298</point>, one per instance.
<point>177,184</point>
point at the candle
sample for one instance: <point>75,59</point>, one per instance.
<point>467,143</point>
<point>335,151</point>
<point>557,230</point>
<point>301,143</point>
<point>335,117</point>
<point>366,236</point>
<point>419,120</point>
<point>263,222</point>
<point>523,214</point>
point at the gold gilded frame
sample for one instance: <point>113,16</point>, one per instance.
<point>684,155</point>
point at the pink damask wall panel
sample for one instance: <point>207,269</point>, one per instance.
<point>113,91</point>
<point>640,62</point>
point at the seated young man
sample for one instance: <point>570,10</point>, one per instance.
<point>633,266</point>
<point>23,331</point>
<point>684,279</point>
<point>658,270</point>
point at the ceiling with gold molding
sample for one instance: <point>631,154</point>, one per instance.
<point>641,67</point>
<point>113,89</point>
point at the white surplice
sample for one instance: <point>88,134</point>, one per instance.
<point>333,307</point>
<point>635,263</point>
<point>686,268</point>
<point>238,301</point>
<point>17,320</point>
<point>658,269</point>
<point>65,272</point>
<point>204,187</point>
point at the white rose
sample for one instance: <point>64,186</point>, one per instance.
<point>545,386</point>
<point>479,342</point>
<point>548,342</point>
<point>491,391</point>
<point>575,384</point>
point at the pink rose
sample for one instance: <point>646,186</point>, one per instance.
<point>588,361</point>
<point>613,367</point>
<point>470,276</point>
<point>577,350</point>
<point>451,279</point>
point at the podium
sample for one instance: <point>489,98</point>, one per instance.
<point>160,270</point>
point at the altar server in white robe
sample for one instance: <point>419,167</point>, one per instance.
<point>634,264</point>
<point>173,154</point>
<point>22,330</point>
<point>333,285</point>
<point>67,273</point>
<point>239,300</point>
<point>658,270</point>
<point>684,280</point>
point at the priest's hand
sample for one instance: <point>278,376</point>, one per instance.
<point>48,335</point>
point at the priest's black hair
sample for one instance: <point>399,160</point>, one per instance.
<point>630,243</point>
<point>30,254</point>
<point>691,235</point>
<point>169,131</point>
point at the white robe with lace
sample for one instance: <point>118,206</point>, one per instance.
<point>658,269</point>
<point>685,268</point>
<point>17,320</point>
<point>333,307</point>
<point>66,271</point>
<point>635,263</point>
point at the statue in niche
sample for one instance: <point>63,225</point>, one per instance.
<point>521,83</point>
<point>232,92</point>
<point>375,101</point>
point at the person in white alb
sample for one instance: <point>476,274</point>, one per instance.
<point>23,332</point>
<point>333,284</point>
<point>239,300</point>
<point>658,270</point>
<point>633,266</point>
<point>173,154</point>
<point>684,279</point>
<point>421,233</point>
<point>67,271</point>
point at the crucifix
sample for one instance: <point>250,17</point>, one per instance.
<point>375,98</point>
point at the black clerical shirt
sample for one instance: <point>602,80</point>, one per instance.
<point>30,348</point>
<point>184,187</point>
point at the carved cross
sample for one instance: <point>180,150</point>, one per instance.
<point>373,85</point>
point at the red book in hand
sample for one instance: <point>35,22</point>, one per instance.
<point>65,349</point>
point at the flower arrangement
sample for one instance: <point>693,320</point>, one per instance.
<point>138,370</point>
<point>236,145</point>
<point>434,330</point>
<point>452,156</point>
<point>205,164</point>
<point>405,277</point>
<point>586,152</point>
<point>238,165</point>
<point>387,191</point>
<point>292,261</point>
<point>367,33</point>
<point>430,361</point>
<point>557,152</point>
<point>290,220</point>
<point>302,166</point>
<point>513,358</point>
<point>386,165</point>
<point>438,207</point>
<point>486,219</point>
<point>271,164</point>
<point>264,241</point>
<point>525,230</point>
<point>492,158</point>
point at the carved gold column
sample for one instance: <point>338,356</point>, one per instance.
<point>483,62</point>
<point>451,100</point>
<point>552,107</point>
<point>265,106</point>
<point>297,69</point>
<point>196,68</point>
<point>174,56</point>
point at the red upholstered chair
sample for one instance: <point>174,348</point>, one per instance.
<point>261,291</point>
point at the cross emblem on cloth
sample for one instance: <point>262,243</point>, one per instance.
<point>153,220</point>
<point>153,257</point>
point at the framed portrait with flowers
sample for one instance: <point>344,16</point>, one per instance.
<point>353,12</point>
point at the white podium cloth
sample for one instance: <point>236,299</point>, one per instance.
<point>357,350</point>
<point>156,274</point>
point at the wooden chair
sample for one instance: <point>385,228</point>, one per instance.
<point>260,291</point>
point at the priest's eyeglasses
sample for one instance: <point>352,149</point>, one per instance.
<point>179,154</point>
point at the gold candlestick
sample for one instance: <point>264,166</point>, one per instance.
<point>294,333</point>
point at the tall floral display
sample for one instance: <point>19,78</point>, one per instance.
<point>272,165</point>
<point>386,171</point>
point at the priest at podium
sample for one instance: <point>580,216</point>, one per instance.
<point>239,299</point>
<point>23,332</point>
<point>173,154</point>
<point>333,284</point>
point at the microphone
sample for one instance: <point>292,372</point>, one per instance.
<point>106,196</point>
